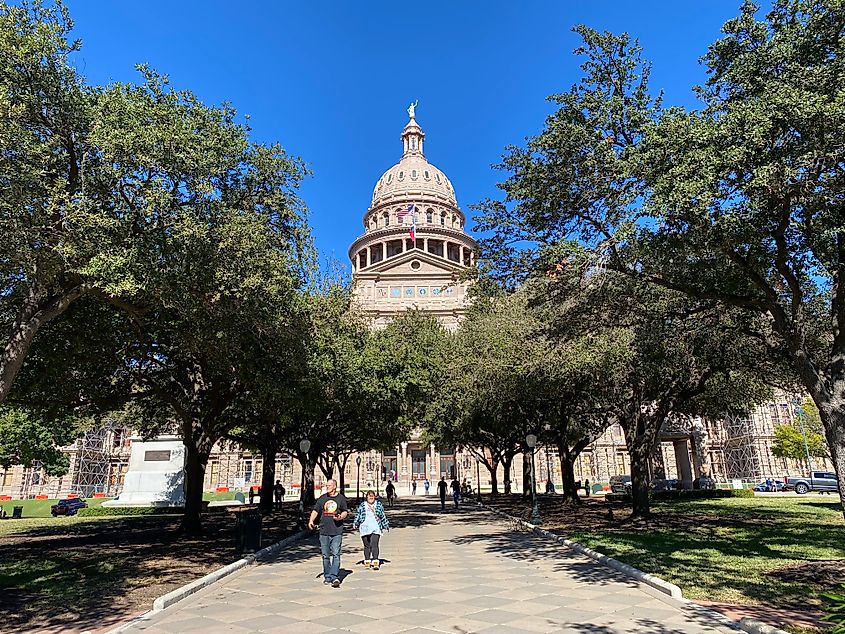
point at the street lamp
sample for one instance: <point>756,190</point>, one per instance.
<point>358,484</point>
<point>304,447</point>
<point>478,479</point>
<point>800,413</point>
<point>531,441</point>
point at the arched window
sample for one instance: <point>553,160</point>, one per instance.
<point>454,221</point>
<point>429,216</point>
<point>386,219</point>
<point>413,173</point>
<point>443,219</point>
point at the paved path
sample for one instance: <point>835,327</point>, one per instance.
<point>457,572</point>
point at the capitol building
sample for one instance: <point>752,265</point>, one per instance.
<point>414,246</point>
<point>411,255</point>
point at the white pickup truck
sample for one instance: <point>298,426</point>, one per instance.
<point>817,481</point>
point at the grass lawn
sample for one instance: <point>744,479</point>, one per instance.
<point>735,550</point>
<point>94,572</point>
<point>770,551</point>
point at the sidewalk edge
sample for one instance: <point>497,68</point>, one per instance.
<point>746,624</point>
<point>174,596</point>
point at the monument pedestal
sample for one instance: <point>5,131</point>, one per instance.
<point>156,474</point>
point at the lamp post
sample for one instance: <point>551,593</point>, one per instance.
<point>478,479</point>
<point>358,483</point>
<point>531,441</point>
<point>304,447</point>
<point>800,413</point>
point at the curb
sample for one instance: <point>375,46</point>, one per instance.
<point>187,590</point>
<point>746,624</point>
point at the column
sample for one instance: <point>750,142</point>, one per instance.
<point>383,251</point>
<point>433,468</point>
<point>700,450</point>
<point>404,244</point>
<point>404,466</point>
<point>683,463</point>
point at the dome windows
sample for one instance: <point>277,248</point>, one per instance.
<point>389,178</point>
<point>401,176</point>
<point>414,174</point>
<point>427,175</point>
<point>429,216</point>
<point>437,177</point>
<point>443,219</point>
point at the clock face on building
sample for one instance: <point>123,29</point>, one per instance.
<point>409,292</point>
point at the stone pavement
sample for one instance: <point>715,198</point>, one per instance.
<point>458,571</point>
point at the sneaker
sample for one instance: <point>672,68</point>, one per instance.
<point>335,583</point>
<point>367,563</point>
<point>376,564</point>
<point>326,582</point>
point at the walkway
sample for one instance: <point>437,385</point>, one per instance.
<point>458,572</point>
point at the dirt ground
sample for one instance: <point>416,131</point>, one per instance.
<point>95,574</point>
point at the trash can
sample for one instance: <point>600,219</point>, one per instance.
<point>17,512</point>
<point>247,531</point>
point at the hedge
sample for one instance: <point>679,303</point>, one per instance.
<point>669,495</point>
<point>100,511</point>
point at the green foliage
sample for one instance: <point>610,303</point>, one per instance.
<point>789,443</point>
<point>101,511</point>
<point>697,494</point>
<point>27,436</point>
<point>835,609</point>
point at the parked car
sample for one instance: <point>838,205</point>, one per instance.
<point>770,486</point>
<point>666,484</point>
<point>70,506</point>
<point>823,481</point>
<point>620,484</point>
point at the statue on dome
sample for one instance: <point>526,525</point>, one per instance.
<point>412,107</point>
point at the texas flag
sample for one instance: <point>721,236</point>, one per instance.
<point>410,211</point>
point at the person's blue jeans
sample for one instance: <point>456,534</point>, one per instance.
<point>456,497</point>
<point>330,549</point>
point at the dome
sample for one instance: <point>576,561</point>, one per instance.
<point>413,176</point>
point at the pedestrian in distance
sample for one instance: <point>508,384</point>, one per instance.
<point>371,521</point>
<point>441,490</point>
<point>456,492</point>
<point>331,508</point>
<point>390,491</point>
<point>414,487</point>
<point>279,493</point>
<point>251,495</point>
<point>426,485</point>
<point>587,487</point>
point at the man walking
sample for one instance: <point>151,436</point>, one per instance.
<point>456,492</point>
<point>390,490</point>
<point>332,509</point>
<point>441,490</point>
<point>279,492</point>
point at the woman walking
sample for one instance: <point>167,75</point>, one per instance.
<point>371,521</point>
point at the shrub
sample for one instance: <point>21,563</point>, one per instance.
<point>100,511</point>
<point>700,494</point>
<point>738,493</point>
<point>835,610</point>
<point>618,497</point>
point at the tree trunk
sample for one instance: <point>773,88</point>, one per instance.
<point>567,472</point>
<point>268,474</point>
<point>507,463</point>
<point>641,432</point>
<point>494,481</point>
<point>195,462</point>
<point>833,419</point>
<point>306,494</point>
<point>527,481</point>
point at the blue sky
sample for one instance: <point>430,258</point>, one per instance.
<point>331,81</point>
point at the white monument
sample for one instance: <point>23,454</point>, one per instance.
<point>156,474</point>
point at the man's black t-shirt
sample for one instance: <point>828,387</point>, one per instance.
<point>441,488</point>
<point>328,506</point>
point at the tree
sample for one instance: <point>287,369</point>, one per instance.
<point>735,205</point>
<point>27,437</point>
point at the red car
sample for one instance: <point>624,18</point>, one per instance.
<point>70,506</point>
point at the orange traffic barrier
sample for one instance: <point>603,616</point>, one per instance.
<point>40,497</point>
<point>70,496</point>
<point>222,489</point>
<point>99,495</point>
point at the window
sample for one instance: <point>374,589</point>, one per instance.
<point>401,175</point>
<point>413,173</point>
<point>437,177</point>
<point>427,175</point>
<point>409,291</point>
<point>389,178</point>
<point>415,265</point>
<point>429,216</point>
<point>443,219</point>
<point>386,219</point>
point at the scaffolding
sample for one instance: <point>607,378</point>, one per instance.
<point>93,460</point>
<point>739,448</point>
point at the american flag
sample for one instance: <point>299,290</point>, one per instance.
<point>406,212</point>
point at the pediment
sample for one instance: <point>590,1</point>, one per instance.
<point>401,265</point>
